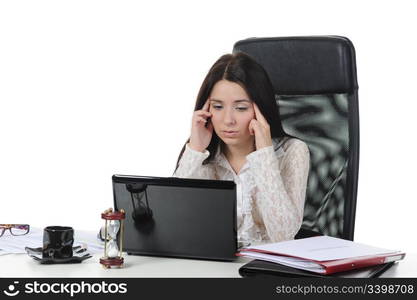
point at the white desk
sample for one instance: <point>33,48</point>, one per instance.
<point>21,265</point>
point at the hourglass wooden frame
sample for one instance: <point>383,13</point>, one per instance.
<point>110,215</point>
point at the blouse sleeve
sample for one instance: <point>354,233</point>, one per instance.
<point>191,165</point>
<point>281,188</point>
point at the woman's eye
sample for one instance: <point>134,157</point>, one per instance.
<point>241,108</point>
<point>217,106</point>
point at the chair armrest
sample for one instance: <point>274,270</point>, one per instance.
<point>305,233</point>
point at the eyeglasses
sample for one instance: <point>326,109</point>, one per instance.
<point>15,229</point>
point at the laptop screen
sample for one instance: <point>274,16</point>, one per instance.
<point>177,217</point>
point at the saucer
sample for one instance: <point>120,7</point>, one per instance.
<point>79,254</point>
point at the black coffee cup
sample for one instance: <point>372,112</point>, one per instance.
<point>57,242</point>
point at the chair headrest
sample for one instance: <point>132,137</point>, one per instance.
<point>305,65</point>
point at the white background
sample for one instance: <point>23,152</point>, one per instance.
<point>93,88</point>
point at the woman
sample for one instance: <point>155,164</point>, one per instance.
<point>236,134</point>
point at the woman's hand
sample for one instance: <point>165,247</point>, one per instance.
<point>200,134</point>
<point>260,128</point>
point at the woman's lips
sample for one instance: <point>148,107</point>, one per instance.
<point>230,133</point>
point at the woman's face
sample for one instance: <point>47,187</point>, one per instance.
<point>232,110</point>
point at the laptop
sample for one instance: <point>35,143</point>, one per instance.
<point>177,217</point>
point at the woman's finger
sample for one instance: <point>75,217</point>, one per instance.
<point>201,120</point>
<point>206,106</point>
<point>202,112</point>
<point>205,117</point>
<point>259,116</point>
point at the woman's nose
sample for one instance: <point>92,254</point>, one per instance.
<point>229,118</point>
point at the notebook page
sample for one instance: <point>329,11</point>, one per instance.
<point>323,248</point>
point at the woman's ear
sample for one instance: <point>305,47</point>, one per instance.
<point>251,127</point>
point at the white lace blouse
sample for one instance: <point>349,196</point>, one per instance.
<point>271,187</point>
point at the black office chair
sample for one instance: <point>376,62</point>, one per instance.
<point>317,92</point>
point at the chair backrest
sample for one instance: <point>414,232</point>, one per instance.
<point>316,88</point>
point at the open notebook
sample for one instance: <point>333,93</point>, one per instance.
<point>322,254</point>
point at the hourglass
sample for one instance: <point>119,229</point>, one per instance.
<point>114,221</point>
